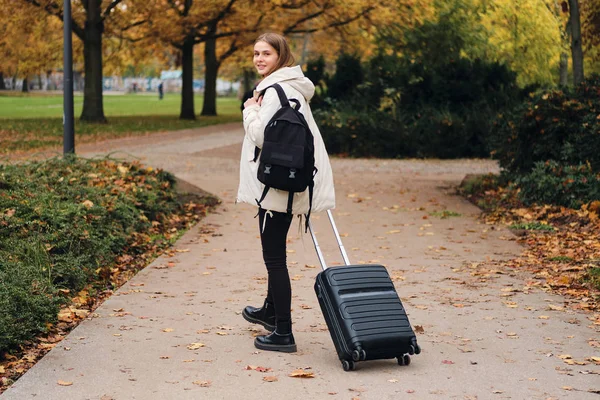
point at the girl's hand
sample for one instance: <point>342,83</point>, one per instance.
<point>252,101</point>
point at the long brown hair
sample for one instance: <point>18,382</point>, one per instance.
<point>278,42</point>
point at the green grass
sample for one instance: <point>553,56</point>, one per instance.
<point>593,277</point>
<point>18,106</point>
<point>533,226</point>
<point>561,259</point>
<point>33,122</point>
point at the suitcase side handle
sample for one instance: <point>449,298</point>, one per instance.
<point>337,237</point>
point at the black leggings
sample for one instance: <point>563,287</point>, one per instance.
<point>274,227</point>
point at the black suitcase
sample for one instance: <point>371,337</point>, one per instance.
<point>363,312</point>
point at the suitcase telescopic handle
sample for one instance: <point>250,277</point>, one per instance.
<point>337,237</point>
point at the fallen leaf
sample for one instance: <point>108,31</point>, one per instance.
<point>447,362</point>
<point>300,373</point>
<point>270,379</point>
<point>168,330</point>
<point>393,380</point>
<point>64,383</point>
<point>195,346</point>
<point>202,383</point>
<point>555,308</point>
<point>419,329</point>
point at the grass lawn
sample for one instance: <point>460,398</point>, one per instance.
<point>34,121</point>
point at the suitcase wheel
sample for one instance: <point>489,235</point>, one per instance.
<point>359,354</point>
<point>348,365</point>
<point>415,348</point>
<point>404,360</point>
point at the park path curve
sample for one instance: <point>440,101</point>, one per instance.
<point>174,331</point>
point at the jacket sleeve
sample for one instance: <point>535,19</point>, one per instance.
<point>257,117</point>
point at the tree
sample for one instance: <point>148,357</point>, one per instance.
<point>89,20</point>
<point>576,46</point>
<point>29,43</point>
<point>590,33</point>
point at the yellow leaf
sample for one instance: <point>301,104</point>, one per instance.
<point>64,383</point>
<point>544,317</point>
<point>394,231</point>
<point>300,373</point>
<point>222,333</point>
<point>270,379</point>
<point>168,330</point>
<point>195,346</point>
<point>565,356</point>
<point>202,383</point>
<point>87,204</point>
<point>555,308</point>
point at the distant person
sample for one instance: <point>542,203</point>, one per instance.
<point>275,64</point>
<point>160,91</point>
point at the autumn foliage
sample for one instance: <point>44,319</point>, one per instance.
<point>72,230</point>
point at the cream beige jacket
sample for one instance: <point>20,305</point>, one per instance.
<point>296,86</point>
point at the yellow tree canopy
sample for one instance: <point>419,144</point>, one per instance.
<point>30,43</point>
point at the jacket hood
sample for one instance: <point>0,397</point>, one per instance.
<point>292,76</point>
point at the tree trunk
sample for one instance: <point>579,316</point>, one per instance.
<point>93,107</point>
<point>576,47</point>
<point>2,85</point>
<point>25,87</point>
<point>187,80</point>
<point>564,69</point>
<point>210,77</point>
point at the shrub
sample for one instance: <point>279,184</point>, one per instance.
<point>551,182</point>
<point>362,133</point>
<point>558,125</point>
<point>63,223</point>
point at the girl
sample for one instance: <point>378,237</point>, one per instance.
<point>275,64</point>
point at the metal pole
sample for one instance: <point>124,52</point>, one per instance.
<point>68,113</point>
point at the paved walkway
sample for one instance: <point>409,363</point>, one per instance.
<point>175,330</point>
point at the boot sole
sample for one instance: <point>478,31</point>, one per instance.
<point>257,321</point>
<point>289,348</point>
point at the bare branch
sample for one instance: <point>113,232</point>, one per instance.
<point>110,8</point>
<point>53,8</point>
<point>332,25</point>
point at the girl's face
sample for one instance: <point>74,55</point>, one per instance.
<point>265,58</point>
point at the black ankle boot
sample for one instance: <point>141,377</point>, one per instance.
<point>264,316</point>
<point>281,339</point>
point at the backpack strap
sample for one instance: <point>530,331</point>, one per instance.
<point>282,97</point>
<point>262,197</point>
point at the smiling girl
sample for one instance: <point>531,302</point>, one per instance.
<point>274,62</point>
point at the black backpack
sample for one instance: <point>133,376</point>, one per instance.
<point>287,158</point>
